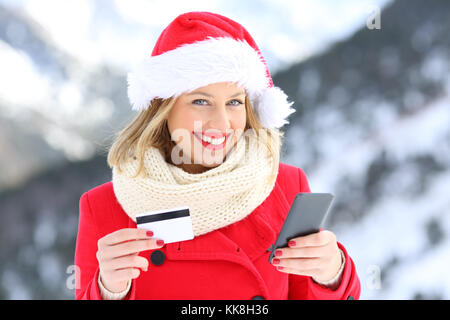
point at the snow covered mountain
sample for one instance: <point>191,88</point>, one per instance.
<point>372,126</point>
<point>374,129</point>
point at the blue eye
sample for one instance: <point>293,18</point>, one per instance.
<point>194,102</point>
<point>238,102</point>
<point>202,104</point>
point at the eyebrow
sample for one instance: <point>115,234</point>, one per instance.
<point>208,95</point>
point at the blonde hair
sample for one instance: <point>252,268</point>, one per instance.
<point>149,128</point>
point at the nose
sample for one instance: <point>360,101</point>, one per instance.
<point>220,119</point>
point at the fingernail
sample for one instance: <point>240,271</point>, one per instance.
<point>160,242</point>
<point>149,233</point>
<point>291,243</point>
<point>275,261</point>
<point>278,253</point>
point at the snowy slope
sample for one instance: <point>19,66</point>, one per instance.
<point>404,237</point>
<point>372,125</point>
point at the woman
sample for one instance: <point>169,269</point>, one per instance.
<point>207,137</point>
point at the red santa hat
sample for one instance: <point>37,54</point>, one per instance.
<point>201,48</point>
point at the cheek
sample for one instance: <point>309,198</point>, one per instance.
<point>243,120</point>
<point>181,119</point>
<point>239,120</point>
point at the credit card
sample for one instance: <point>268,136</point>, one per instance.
<point>170,225</point>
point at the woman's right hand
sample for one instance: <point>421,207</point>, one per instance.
<point>118,256</point>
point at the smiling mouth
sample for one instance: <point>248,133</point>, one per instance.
<point>212,142</point>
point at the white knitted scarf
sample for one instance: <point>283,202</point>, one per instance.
<point>216,198</point>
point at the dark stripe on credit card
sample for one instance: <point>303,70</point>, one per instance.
<point>163,216</point>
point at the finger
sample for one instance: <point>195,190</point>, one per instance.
<point>298,264</point>
<point>308,273</point>
<point>123,235</point>
<point>130,247</point>
<point>130,261</point>
<point>302,252</point>
<point>125,274</point>
<point>320,238</point>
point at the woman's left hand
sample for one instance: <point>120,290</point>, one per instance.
<point>316,255</point>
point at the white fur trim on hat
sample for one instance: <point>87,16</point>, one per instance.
<point>201,63</point>
<point>273,108</point>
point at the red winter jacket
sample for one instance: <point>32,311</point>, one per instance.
<point>228,263</point>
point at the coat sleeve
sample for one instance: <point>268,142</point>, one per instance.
<point>303,287</point>
<point>87,269</point>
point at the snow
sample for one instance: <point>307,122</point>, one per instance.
<point>18,73</point>
<point>96,31</point>
<point>403,237</point>
<point>401,138</point>
<point>400,217</point>
<point>424,128</point>
<point>389,244</point>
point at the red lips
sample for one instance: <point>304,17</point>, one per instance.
<point>213,135</point>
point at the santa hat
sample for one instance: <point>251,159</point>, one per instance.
<point>201,48</point>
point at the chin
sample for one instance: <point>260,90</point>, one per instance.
<point>211,159</point>
<point>211,163</point>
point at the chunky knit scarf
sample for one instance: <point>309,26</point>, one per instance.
<point>216,198</point>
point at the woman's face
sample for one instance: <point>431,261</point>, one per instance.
<point>217,111</point>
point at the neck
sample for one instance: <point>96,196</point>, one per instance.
<point>193,168</point>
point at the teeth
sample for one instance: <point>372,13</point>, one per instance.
<point>213,141</point>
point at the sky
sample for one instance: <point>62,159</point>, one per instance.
<point>122,32</point>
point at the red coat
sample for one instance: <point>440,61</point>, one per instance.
<point>229,263</point>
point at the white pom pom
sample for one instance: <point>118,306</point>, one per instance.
<point>272,108</point>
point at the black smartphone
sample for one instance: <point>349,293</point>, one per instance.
<point>307,215</point>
